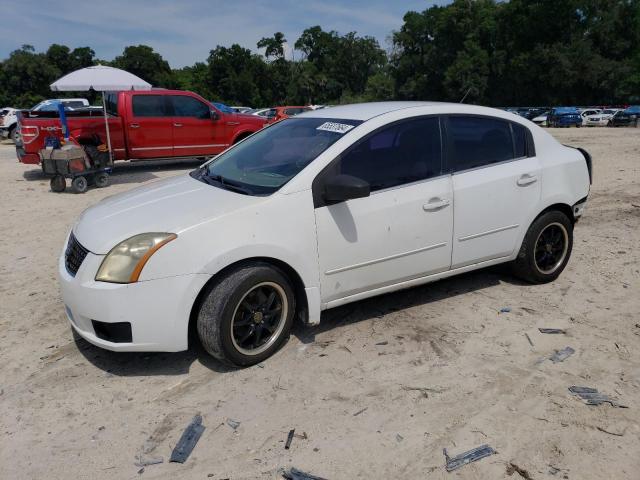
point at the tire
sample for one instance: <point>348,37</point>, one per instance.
<point>246,292</point>
<point>79,184</point>
<point>101,180</point>
<point>13,133</point>
<point>546,248</point>
<point>58,184</point>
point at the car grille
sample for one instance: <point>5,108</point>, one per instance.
<point>74,255</point>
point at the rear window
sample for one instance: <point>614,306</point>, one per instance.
<point>111,101</point>
<point>149,106</point>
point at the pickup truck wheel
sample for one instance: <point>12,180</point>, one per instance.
<point>58,184</point>
<point>246,316</point>
<point>79,184</point>
<point>546,248</point>
<point>13,133</point>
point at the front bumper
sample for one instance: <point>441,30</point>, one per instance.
<point>157,310</point>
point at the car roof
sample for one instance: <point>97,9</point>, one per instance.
<point>367,111</point>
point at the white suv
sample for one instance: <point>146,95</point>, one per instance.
<point>327,208</point>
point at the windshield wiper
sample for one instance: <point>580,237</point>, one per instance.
<point>226,183</point>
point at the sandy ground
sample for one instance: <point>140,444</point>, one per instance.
<point>378,390</point>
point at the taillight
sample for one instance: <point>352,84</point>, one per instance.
<point>28,133</point>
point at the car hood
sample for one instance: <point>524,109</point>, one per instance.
<point>171,205</point>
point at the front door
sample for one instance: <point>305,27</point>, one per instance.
<point>195,132</point>
<point>149,127</point>
<point>403,229</point>
<point>496,186</point>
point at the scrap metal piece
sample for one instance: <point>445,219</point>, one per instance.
<point>289,439</point>
<point>591,396</point>
<point>233,423</point>
<point>552,330</point>
<point>474,455</point>
<point>188,440</point>
<point>562,355</point>
<point>295,474</point>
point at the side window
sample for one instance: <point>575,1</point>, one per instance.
<point>402,153</point>
<point>184,106</point>
<point>479,141</point>
<point>519,140</point>
<point>149,106</point>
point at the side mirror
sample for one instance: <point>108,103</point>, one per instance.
<point>214,115</point>
<point>345,187</point>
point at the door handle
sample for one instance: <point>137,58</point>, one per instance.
<point>134,125</point>
<point>527,179</point>
<point>436,203</point>
<point>177,124</point>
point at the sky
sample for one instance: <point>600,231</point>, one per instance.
<point>184,31</point>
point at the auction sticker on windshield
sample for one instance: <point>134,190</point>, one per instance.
<point>335,127</point>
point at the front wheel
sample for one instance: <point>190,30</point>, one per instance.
<point>546,248</point>
<point>246,316</point>
<point>79,184</point>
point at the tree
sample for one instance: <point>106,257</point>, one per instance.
<point>274,46</point>
<point>143,61</point>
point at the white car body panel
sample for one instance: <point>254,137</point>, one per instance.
<point>341,253</point>
<point>600,119</point>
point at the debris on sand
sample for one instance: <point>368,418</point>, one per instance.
<point>552,330</point>
<point>295,474</point>
<point>188,440</point>
<point>461,460</point>
<point>360,411</point>
<point>562,355</point>
<point>591,396</point>
<point>513,468</point>
<point>233,423</point>
<point>505,309</point>
<point>289,439</point>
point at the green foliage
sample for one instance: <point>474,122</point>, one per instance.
<point>517,52</point>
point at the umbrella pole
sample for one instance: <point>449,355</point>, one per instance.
<point>106,124</point>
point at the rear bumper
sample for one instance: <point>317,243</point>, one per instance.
<point>157,311</point>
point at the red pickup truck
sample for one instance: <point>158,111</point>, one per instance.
<point>143,125</point>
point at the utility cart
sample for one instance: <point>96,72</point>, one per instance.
<point>84,164</point>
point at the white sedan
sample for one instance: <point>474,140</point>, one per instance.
<point>600,119</point>
<point>327,208</point>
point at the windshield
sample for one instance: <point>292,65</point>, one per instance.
<point>267,160</point>
<point>222,107</point>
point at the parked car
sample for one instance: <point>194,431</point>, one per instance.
<point>8,123</point>
<point>263,112</point>
<point>600,119</point>
<point>541,119</point>
<point>144,125</point>
<point>584,113</point>
<point>285,112</point>
<point>532,113</point>
<point>623,118</point>
<point>51,105</point>
<point>242,109</point>
<point>323,209</point>
<point>564,117</point>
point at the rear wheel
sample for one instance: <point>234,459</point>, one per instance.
<point>546,248</point>
<point>13,134</point>
<point>246,316</point>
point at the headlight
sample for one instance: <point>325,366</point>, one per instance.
<point>126,260</point>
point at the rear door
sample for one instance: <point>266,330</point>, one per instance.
<point>149,127</point>
<point>496,185</point>
<point>403,229</point>
<point>195,131</point>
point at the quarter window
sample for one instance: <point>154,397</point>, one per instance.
<point>402,153</point>
<point>479,141</point>
<point>149,106</point>
<point>184,106</point>
<point>519,140</point>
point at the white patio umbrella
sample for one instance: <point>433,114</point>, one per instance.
<point>101,79</point>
